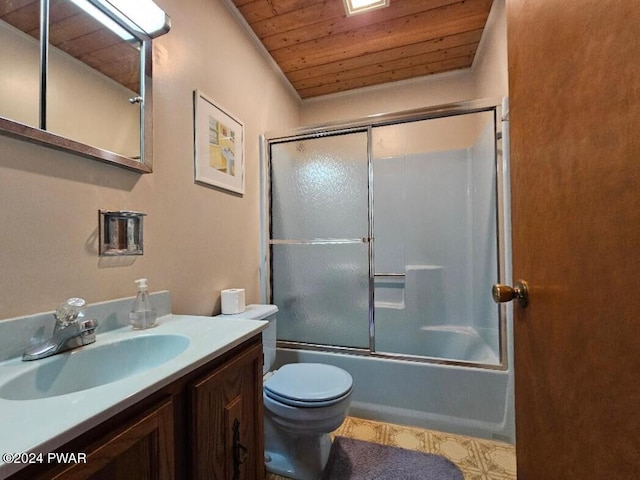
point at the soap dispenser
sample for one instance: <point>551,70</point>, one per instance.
<point>142,315</point>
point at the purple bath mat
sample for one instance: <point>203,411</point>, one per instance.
<point>358,460</point>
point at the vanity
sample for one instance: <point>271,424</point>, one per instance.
<point>182,400</point>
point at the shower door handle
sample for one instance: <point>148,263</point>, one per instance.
<point>504,293</point>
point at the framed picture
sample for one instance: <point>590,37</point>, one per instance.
<point>218,145</point>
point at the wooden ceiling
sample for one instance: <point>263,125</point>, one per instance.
<point>322,51</point>
<point>78,34</point>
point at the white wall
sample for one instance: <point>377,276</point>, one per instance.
<point>490,63</point>
<point>390,98</point>
<point>198,240</point>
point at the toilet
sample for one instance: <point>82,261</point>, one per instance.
<point>303,402</point>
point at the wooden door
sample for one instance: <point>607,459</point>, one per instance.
<point>574,76</point>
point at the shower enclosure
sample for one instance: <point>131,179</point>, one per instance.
<point>383,238</point>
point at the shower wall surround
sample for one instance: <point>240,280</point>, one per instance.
<point>435,222</point>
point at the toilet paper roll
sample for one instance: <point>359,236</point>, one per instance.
<point>233,301</point>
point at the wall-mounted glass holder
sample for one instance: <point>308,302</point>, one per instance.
<point>120,233</point>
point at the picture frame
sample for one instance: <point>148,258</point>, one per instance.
<point>218,145</point>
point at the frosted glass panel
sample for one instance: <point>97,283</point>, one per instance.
<point>319,188</point>
<point>322,292</point>
<point>435,253</point>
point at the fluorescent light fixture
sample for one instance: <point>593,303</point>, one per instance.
<point>141,15</point>
<point>354,7</point>
<point>103,19</point>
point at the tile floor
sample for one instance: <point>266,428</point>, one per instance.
<point>478,459</point>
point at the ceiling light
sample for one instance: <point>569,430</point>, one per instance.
<point>140,15</point>
<point>103,19</point>
<point>354,7</point>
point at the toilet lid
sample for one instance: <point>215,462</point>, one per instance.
<point>308,383</point>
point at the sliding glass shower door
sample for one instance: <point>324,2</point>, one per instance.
<point>436,238</point>
<point>385,237</point>
<point>319,241</point>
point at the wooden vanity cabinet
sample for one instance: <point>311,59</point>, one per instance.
<point>142,449</point>
<point>205,425</point>
<point>225,413</point>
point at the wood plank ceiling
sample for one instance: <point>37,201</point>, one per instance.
<point>78,34</point>
<point>322,51</point>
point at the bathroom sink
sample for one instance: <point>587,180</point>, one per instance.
<point>86,368</point>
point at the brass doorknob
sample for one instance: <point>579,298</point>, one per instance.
<point>504,293</point>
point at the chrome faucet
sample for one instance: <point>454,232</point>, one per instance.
<point>71,331</point>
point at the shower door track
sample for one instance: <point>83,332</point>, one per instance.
<point>364,352</point>
<point>366,124</point>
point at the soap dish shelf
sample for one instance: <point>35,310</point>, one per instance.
<point>121,233</point>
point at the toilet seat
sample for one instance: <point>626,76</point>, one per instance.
<point>309,385</point>
<point>308,404</point>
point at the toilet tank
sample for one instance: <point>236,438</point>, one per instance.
<point>266,313</point>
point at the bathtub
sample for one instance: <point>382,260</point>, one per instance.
<point>458,343</point>
<point>457,399</point>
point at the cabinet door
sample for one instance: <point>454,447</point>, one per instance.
<point>141,450</point>
<point>226,421</point>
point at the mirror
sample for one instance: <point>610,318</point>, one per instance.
<point>104,70</point>
<point>94,96</point>
<point>20,63</point>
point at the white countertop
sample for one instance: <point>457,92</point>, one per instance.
<point>43,425</point>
